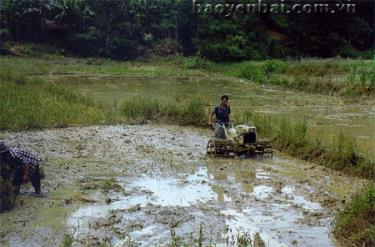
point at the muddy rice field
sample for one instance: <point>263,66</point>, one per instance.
<point>145,185</point>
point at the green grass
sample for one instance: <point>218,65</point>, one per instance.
<point>33,103</point>
<point>351,78</point>
<point>30,102</point>
<point>142,110</point>
<point>57,64</point>
<point>47,106</point>
<point>342,77</point>
<point>355,225</point>
<point>290,136</point>
<point>68,240</point>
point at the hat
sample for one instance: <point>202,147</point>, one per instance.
<point>3,148</point>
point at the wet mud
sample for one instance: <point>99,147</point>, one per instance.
<point>145,185</point>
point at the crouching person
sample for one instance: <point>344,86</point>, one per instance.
<point>24,167</point>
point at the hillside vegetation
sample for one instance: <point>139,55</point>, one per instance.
<point>135,29</point>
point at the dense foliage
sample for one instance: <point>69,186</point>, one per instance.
<point>128,29</point>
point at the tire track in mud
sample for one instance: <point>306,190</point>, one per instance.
<point>136,183</point>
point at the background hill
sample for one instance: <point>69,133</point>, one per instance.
<point>134,29</point>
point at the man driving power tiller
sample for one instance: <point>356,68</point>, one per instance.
<point>222,118</point>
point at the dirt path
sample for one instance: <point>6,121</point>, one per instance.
<point>134,184</point>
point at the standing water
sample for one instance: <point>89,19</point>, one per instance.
<point>148,185</point>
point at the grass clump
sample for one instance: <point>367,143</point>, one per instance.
<point>262,72</point>
<point>136,108</point>
<point>355,225</point>
<point>361,80</point>
<point>340,77</point>
<point>39,105</point>
<point>193,113</point>
<point>33,103</point>
<point>110,184</point>
<point>362,74</point>
<point>196,63</point>
<point>291,137</point>
<point>142,110</point>
<point>68,240</point>
<point>246,240</point>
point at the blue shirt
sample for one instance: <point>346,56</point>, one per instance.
<point>222,114</point>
